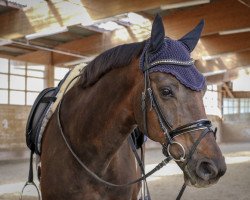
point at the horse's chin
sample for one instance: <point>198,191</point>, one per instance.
<point>194,181</point>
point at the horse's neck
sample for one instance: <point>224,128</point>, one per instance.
<point>101,117</point>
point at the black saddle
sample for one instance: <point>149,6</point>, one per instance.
<point>37,114</point>
<point>39,111</point>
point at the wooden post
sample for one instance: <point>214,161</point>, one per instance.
<point>49,73</point>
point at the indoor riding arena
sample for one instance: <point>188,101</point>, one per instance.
<point>125,99</point>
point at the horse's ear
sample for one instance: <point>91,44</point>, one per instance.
<point>191,39</point>
<point>157,34</point>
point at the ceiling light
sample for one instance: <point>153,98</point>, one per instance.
<point>4,42</point>
<point>234,31</point>
<point>109,26</point>
<point>215,72</point>
<point>133,18</point>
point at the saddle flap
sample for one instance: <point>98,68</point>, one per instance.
<point>37,113</point>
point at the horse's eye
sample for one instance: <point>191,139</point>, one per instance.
<point>166,92</point>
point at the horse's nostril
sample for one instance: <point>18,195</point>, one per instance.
<point>206,169</point>
<point>222,170</point>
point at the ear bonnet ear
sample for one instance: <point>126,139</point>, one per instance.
<point>162,54</point>
<point>191,39</point>
<point>157,34</point>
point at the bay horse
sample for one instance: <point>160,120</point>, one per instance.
<point>152,85</point>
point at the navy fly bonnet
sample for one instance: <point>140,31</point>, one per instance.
<point>173,56</point>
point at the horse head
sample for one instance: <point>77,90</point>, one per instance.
<point>172,106</point>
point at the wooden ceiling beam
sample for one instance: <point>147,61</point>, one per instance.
<point>241,94</point>
<point>10,4</point>
<point>7,55</point>
<point>208,46</point>
<point>103,9</point>
<point>228,91</point>
<point>95,44</point>
<point>221,44</point>
<point>225,62</point>
<point>14,50</point>
<point>52,14</point>
<point>220,15</point>
<point>38,57</point>
<point>41,57</point>
<point>221,78</point>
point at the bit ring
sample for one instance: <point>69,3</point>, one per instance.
<point>182,157</point>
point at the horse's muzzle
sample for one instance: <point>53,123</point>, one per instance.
<point>206,169</point>
<point>207,172</point>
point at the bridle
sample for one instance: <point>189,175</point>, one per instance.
<point>169,132</point>
<point>165,126</point>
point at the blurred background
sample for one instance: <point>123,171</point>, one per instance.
<point>40,41</point>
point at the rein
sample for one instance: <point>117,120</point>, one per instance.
<point>91,173</point>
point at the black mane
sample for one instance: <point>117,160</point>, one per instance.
<point>116,57</point>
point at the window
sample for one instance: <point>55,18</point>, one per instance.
<point>235,106</point>
<point>4,81</point>
<point>35,82</point>
<point>20,82</point>
<point>4,63</point>
<point>211,101</point>
<point>240,84</point>
<point>244,105</point>
<point>3,96</point>
<point>59,74</point>
<point>230,106</point>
